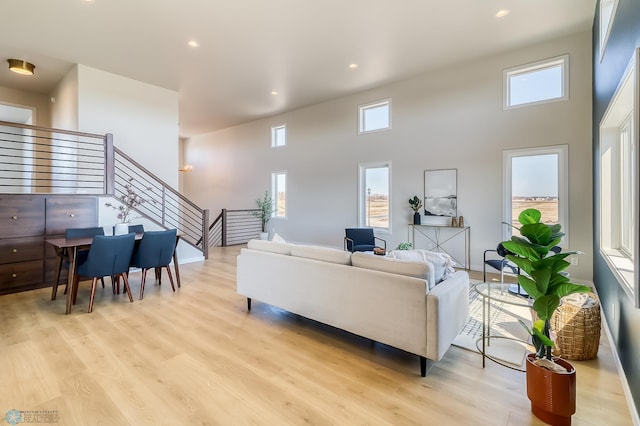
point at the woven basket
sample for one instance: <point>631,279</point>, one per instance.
<point>577,331</point>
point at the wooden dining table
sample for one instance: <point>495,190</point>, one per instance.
<point>72,246</point>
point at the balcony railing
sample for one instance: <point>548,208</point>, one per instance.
<point>42,160</point>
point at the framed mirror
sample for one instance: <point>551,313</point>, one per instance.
<point>441,192</point>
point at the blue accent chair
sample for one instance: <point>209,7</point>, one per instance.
<point>155,250</point>
<point>65,257</point>
<point>108,255</point>
<point>361,239</point>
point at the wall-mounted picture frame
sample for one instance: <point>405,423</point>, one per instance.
<point>441,192</point>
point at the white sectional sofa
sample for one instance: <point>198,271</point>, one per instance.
<point>391,301</point>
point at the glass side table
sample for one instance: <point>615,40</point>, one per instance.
<point>496,292</point>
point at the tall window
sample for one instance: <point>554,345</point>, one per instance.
<point>627,188</point>
<point>375,196</point>
<point>538,82</point>
<point>536,178</point>
<point>374,116</point>
<point>279,136</point>
<point>279,194</point>
<point>618,191</point>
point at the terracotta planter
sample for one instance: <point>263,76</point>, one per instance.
<point>552,395</point>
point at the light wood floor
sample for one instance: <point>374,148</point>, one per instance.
<point>198,357</point>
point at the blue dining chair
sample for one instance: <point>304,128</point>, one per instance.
<point>108,255</point>
<point>155,250</point>
<point>65,257</point>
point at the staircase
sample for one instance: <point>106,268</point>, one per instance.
<point>38,160</point>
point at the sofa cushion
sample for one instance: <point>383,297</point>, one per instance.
<point>412,268</point>
<point>442,263</point>
<point>270,246</point>
<point>325,254</point>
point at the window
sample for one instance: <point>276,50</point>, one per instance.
<point>375,196</point>
<point>536,178</point>
<point>279,191</point>
<point>536,83</point>
<point>279,136</point>
<point>375,116</point>
<point>618,191</point>
<point>607,14</point>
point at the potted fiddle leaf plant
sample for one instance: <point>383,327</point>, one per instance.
<point>551,381</point>
<point>416,204</point>
<point>264,211</point>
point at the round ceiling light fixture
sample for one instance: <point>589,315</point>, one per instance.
<point>21,67</point>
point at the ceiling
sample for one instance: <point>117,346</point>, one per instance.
<point>250,48</point>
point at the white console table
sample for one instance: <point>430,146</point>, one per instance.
<point>442,239</point>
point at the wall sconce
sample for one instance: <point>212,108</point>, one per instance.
<point>21,67</point>
<point>187,168</point>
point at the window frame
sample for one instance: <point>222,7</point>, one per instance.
<point>624,104</point>
<point>562,151</point>
<point>362,195</point>
<point>274,136</point>
<point>369,106</point>
<point>274,194</point>
<point>603,37</point>
<point>562,60</point>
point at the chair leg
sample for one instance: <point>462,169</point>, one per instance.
<point>94,282</point>
<point>74,288</point>
<point>56,278</point>
<point>126,286</point>
<point>170,277</point>
<point>102,280</point>
<point>144,277</point>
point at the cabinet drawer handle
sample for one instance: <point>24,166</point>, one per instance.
<point>14,217</point>
<point>14,275</point>
<point>72,215</point>
<point>14,250</point>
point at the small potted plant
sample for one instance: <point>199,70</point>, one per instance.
<point>416,204</point>
<point>404,246</point>
<point>551,381</point>
<point>263,212</point>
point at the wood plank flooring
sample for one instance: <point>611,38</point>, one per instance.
<point>197,356</point>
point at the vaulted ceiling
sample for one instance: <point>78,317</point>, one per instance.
<point>250,49</point>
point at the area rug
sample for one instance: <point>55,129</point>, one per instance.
<point>504,323</point>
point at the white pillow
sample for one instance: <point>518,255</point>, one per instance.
<point>270,246</point>
<point>442,262</point>
<point>277,238</point>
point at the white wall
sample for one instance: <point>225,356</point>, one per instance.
<point>450,118</point>
<point>64,112</point>
<point>142,118</point>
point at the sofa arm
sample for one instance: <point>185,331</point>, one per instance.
<point>447,313</point>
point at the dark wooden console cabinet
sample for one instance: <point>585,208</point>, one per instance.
<point>26,261</point>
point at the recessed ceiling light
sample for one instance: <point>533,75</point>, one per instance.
<point>502,13</point>
<point>193,43</point>
<point>353,66</point>
<point>273,92</point>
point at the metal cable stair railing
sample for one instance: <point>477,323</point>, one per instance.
<point>39,160</point>
<point>233,227</point>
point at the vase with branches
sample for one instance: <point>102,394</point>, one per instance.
<point>129,201</point>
